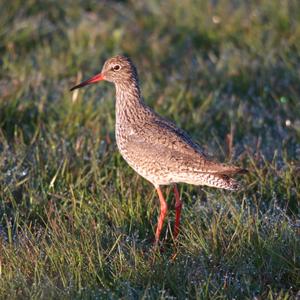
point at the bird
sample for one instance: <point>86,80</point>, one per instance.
<point>155,147</point>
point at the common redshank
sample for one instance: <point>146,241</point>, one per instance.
<point>153,146</point>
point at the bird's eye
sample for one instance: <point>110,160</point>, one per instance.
<point>116,67</point>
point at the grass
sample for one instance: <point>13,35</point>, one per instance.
<point>77,222</point>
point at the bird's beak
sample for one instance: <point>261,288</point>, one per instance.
<point>93,79</point>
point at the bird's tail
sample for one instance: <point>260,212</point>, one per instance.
<point>215,175</point>
<point>223,179</point>
<point>220,181</point>
<point>228,170</point>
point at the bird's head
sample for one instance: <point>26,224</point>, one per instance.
<point>118,69</point>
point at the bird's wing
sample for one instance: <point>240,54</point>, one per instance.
<point>165,134</point>
<point>160,138</point>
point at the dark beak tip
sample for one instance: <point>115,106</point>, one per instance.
<point>93,79</point>
<point>75,87</point>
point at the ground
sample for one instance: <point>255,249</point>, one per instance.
<point>77,222</point>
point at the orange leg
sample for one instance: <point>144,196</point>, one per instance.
<point>178,206</point>
<point>163,212</point>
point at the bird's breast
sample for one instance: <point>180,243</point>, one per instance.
<point>123,134</point>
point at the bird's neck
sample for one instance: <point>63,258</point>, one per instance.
<point>129,102</point>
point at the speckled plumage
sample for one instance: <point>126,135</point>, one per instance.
<point>153,146</point>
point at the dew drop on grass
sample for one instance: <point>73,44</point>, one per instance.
<point>283,99</point>
<point>23,173</point>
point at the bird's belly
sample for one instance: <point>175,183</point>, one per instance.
<point>154,170</point>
